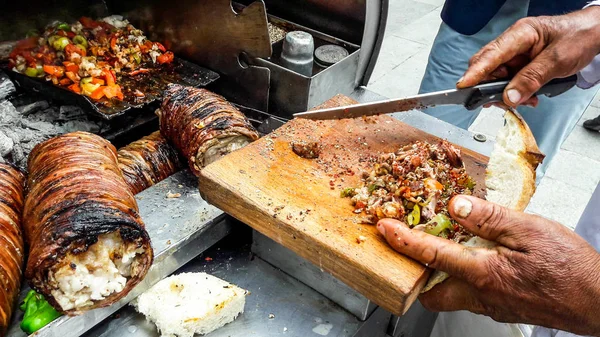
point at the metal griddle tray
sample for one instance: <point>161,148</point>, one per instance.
<point>182,72</point>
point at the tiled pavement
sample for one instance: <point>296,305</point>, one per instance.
<point>575,171</point>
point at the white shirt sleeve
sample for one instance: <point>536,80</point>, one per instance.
<point>590,75</point>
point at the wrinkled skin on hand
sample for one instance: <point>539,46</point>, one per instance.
<point>540,273</point>
<point>536,50</point>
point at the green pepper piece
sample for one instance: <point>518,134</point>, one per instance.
<point>85,80</point>
<point>438,224</point>
<point>60,43</point>
<point>63,26</point>
<point>348,193</point>
<point>38,313</point>
<point>52,39</point>
<point>31,72</point>
<point>78,39</point>
<point>415,216</point>
<point>30,294</point>
<point>137,58</point>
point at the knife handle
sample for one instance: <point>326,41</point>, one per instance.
<point>492,92</point>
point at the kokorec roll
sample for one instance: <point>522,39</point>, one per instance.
<point>148,161</point>
<point>203,125</point>
<point>87,244</point>
<point>11,241</point>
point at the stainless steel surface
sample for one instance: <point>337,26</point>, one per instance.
<point>416,322</point>
<point>213,35</point>
<point>392,105</point>
<point>180,229</point>
<point>374,31</point>
<point>330,54</point>
<point>297,52</point>
<point>292,92</point>
<point>344,19</point>
<point>297,310</point>
<point>311,275</point>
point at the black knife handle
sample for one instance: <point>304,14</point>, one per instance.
<point>492,92</point>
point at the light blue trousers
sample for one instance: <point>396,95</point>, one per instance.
<point>551,122</point>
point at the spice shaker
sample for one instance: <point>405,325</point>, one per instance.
<point>297,53</point>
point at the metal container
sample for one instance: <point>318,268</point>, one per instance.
<point>297,52</point>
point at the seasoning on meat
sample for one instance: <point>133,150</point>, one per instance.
<point>308,150</point>
<point>89,56</point>
<point>87,244</point>
<point>202,125</point>
<point>148,161</point>
<point>415,185</point>
<point>11,241</point>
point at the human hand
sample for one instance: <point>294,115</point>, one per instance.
<point>536,50</point>
<point>540,273</point>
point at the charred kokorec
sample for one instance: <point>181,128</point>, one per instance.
<point>87,244</point>
<point>11,241</point>
<point>308,150</point>
<point>414,185</point>
<point>148,161</point>
<point>203,125</point>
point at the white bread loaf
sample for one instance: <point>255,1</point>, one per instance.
<point>191,303</point>
<point>510,175</point>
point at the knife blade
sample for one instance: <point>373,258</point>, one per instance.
<point>471,98</point>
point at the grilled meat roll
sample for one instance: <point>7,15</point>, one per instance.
<point>203,125</point>
<point>148,161</point>
<point>87,244</point>
<point>11,247</point>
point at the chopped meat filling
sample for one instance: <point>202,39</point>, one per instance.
<point>308,150</point>
<point>415,185</point>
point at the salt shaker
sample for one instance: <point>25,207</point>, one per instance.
<point>297,53</point>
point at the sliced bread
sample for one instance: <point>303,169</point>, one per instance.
<point>191,303</point>
<point>510,175</point>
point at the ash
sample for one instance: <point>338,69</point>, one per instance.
<point>26,121</point>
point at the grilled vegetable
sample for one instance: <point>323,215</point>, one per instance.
<point>90,48</point>
<point>148,161</point>
<point>202,125</point>
<point>11,241</point>
<point>38,312</point>
<point>88,246</point>
<point>438,224</point>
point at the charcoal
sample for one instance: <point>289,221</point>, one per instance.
<point>8,113</point>
<point>7,88</point>
<point>69,112</point>
<point>6,144</point>
<point>33,107</point>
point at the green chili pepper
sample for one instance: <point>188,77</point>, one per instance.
<point>415,216</point>
<point>86,80</point>
<point>60,43</point>
<point>52,39</point>
<point>438,224</point>
<point>63,26</point>
<point>78,39</point>
<point>348,193</point>
<point>38,312</point>
<point>31,72</point>
<point>137,58</point>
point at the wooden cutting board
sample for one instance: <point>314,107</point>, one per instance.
<point>296,201</point>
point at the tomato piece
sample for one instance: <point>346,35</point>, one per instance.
<point>113,43</point>
<point>146,46</point>
<point>75,88</point>
<point>71,35</point>
<point>71,48</point>
<point>160,47</point>
<point>98,93</point>
<point>57,71</point>
<point>65,81</point>
<point>61,33</point>
<point>72,67</point>
<point>109,76</point>
<point>97,81</point>
<point>72,76</point>
<point>111,91</point>
<point>88,22</point>
<point>165,58</point>
<point>139,71</point>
